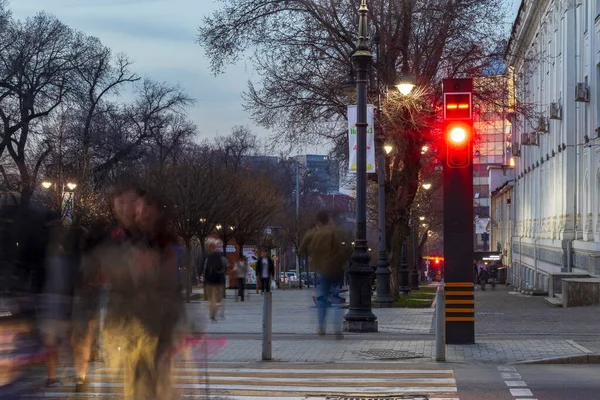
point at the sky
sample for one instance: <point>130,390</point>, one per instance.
<point>159,36</point>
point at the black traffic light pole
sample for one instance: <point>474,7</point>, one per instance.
<point>458,217</point>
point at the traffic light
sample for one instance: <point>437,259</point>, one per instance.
<point>458,130</point>
<point>458,145</point>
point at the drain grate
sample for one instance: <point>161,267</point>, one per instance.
<point>388,354</point>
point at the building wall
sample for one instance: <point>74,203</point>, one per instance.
<point>502,222</point>
<point>491,147</point>
<point>324,173</point>
<point>554,45</point>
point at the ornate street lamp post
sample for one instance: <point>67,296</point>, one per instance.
<point>360,317</point>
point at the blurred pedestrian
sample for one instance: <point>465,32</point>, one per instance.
<point>214,267</point>
<point>158,278</point>
<point>86,306</point>
<point>329,257</point>
<point>483,277</point>
<point>241,272</point>
<point>494,275</point>
<point>56,301</point>
<point>265,268</point>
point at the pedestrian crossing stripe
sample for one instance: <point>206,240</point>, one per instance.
<point>286,382</point>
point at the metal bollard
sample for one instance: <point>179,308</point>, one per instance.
<point>440,325</point>
<point>267,328</point>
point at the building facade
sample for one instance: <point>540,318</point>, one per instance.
<point>491,150</point>
<point>502,226</point>
<point>554,56</point>
<point>321,173</point>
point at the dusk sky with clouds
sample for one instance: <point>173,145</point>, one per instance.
<point>159,36</point>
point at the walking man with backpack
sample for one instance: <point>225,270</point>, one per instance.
<point>214,275</point>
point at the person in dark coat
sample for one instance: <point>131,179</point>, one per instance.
<point>214,267</point>
<point>265,270</point>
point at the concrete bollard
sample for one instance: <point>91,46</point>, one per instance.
<point>267,328</point>
<point>440,325</point>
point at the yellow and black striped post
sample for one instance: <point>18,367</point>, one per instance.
<point>460,312</point>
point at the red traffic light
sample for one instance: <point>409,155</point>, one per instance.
<point>458,145</point>
<point>437,261</point>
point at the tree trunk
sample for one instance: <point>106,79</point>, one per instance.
<point>399,235</point>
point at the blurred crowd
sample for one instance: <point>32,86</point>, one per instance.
<point>114,293</point>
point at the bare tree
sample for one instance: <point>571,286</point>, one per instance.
<point>258,205</point>
<point>36,71</point>
<point>302,53</point>
<point>234,147</point>
<point>130,129</point>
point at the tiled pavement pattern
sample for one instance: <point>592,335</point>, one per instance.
<point>284,381</point>
<point>510,328</point>
<point>294,313</point>
<point>400,351</point>
<point>500,312</point>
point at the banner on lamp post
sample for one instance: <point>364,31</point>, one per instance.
<point>352,142</point>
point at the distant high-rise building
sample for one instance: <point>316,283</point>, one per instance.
<point>321,174</point>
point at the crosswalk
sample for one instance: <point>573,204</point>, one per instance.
<point>287,382</point>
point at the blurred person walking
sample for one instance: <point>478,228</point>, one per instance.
<point>145,300</point>
<point>329,257</point>
<point>56,305</point>
<point>157,276</point>
<point>214,267</point>
<point>86,306</point>
<point>241,273</point>
<point>265,268</point>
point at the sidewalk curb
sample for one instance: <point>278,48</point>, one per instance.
<point>580,359</point>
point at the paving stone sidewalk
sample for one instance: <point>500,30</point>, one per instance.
<point>329,350</point>
<point>509,328</point>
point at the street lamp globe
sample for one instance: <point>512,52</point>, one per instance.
<point>218,227</point>
<point>405,88</point>
<point>427,186</point>
<point>388,148</point>
<point>46,184</point>
<point>71,185</point>
<point>406,84</point>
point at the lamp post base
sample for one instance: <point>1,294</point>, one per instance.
<point>360,326</point>
<point>414,280</point>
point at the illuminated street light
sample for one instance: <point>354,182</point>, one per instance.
<point>218,227</point>
<point>424,149</point>
<point>406,85</point>
<point>388,148</point>
<point>46,184</point>
<point>427,186</point>
<point>422,218</point>
<point>71,185</point>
